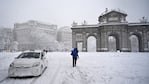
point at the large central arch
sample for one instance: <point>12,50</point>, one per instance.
<point>113,42</point>
<point>91,44</point>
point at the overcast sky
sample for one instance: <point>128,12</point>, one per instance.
<point>64,12</point>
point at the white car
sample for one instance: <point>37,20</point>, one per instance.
<point>31,63</point>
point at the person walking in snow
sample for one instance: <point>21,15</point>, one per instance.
<point>75,55</point>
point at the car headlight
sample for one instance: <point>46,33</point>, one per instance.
<point>36,64</point>
<point>12,64</point>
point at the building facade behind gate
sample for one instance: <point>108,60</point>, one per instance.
<point>112,24</point>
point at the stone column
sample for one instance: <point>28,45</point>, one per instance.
<point>128,41</point>
<point>124,46</point>
<point>84,49</point>
<point>147,39</point>
<point>98,42</point>
<point>104,41</point>
<point>96,36</point>
<point>74,43</point>
<point>144,37</point>
<point>141,42</point>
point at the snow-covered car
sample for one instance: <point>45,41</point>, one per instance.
<point>31,63</point>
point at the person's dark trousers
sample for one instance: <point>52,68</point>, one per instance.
<point>74,61</point>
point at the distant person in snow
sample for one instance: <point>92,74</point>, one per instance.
<point>74,54</point>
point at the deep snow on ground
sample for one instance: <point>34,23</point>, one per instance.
<point>92,68</point>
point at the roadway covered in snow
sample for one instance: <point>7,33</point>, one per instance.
<point>92,68</point>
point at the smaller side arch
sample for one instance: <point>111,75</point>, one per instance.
<point>91,43</point>
<point>135,40</point>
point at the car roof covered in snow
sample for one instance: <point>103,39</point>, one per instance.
<point>33,51</point>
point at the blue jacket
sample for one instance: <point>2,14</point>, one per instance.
<point>74,53</point>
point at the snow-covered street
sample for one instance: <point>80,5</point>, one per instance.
<point>92,68</point>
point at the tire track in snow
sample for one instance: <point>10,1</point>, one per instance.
<point>83,76</point>
<point>1,81</point>
<point>55,74</point>
<point>8,80</point>
<point>34,80</point>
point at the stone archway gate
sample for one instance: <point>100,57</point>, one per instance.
<point>112,23</point>
<point>101,33</point>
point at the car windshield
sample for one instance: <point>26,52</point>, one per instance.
<point>29,55</point>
